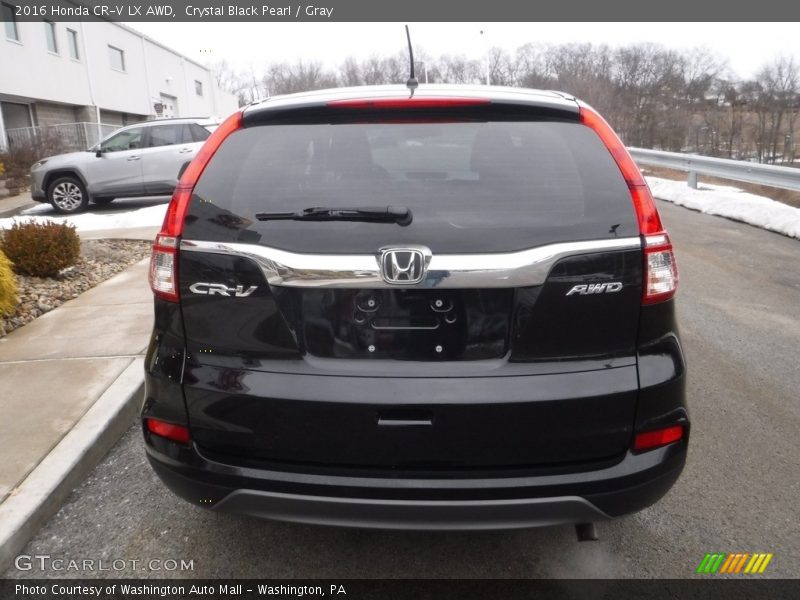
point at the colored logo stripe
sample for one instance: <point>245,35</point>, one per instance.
<point>711,562</point>
<point>758,563</point>
<point>722,562</point>
<point>734,562</point>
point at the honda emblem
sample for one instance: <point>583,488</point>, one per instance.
<point>403,266</point>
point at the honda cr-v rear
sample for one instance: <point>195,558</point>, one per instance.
<point>446,310</point>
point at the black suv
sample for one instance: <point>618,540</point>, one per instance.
<point>446,310</point>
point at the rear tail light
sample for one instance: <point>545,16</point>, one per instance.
<point>660,268</point>
<point>176,433</point>
<point>164,268</point>
<point>645,207</point>
<point>164,260</point>
<point>649,440</point>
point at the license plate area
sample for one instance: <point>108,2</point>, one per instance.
<point>405,324</point>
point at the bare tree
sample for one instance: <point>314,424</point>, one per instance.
<point>649,85</point>
<point>350,72</point>
<point>232,81</point>
<point>283,78</point>
<point>532,68</point>
<point>777,106</point>
<point>459,69</point>
<point>502,68</point>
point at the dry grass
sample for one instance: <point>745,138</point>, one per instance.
<point>786,196</point>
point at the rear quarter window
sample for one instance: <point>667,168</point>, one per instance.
<point>197,133</point>
<point>471,186</point>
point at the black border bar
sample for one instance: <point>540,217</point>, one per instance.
<point>287,11</point>
<point>707,587</point>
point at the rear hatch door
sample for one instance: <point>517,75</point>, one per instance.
<point>517,346</point>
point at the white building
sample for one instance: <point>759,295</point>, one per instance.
<point>98,72</point>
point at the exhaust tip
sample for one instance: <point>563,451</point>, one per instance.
<point>586,532</point>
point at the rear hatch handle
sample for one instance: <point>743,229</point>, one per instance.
<point>405,418</point>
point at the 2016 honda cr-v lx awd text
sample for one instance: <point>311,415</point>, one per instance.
<point>451,309</point>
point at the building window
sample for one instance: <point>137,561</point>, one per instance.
<point>72,41</point>
<point>117,58</point>
<point>10,22</point>
<point>50,34</point>
<point>198,87</point>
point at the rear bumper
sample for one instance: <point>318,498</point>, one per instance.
<point>413,514</point>
<point>632,484</point>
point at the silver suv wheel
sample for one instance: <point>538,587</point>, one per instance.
<point>67,195</point>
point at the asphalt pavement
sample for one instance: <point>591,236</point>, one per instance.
<point>739,310</point>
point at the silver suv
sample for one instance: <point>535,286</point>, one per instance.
<point>144,159</point>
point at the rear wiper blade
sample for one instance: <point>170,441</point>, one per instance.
<point>377,214</point>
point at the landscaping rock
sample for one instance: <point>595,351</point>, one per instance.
<point>100,260</point>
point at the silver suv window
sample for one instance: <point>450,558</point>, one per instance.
<point>166,135</point>
<point>182,133</point>
<point>129,139</point>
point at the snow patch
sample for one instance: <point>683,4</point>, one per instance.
<point>730,202</point>
<point>88,221</point>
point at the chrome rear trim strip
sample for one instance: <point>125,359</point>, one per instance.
<point>501,270</point>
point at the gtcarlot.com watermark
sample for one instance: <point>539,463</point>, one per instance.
<point>46,562</point>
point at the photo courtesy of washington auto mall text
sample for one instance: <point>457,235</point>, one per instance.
<point>180,590</point>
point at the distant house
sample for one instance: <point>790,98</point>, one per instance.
<point>79,75</point>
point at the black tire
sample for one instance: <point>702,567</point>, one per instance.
<point>103,200</point>
<point>67,195</point>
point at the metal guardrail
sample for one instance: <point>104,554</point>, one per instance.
<point>738,170</point>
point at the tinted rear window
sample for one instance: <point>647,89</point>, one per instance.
<point>472,187</point>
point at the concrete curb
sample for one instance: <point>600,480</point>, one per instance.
<point>43,492</point>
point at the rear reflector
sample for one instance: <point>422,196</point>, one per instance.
<point>649,440</point>
<point>164,260</point>
<point>407,103</point>
<point>176,433</point>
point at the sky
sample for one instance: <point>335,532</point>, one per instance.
<point>746,46</point>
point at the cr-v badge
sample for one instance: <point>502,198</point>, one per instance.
<point>596,288</point>
<point>220,289</point>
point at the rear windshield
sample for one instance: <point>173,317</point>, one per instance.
<point>471,186</point>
